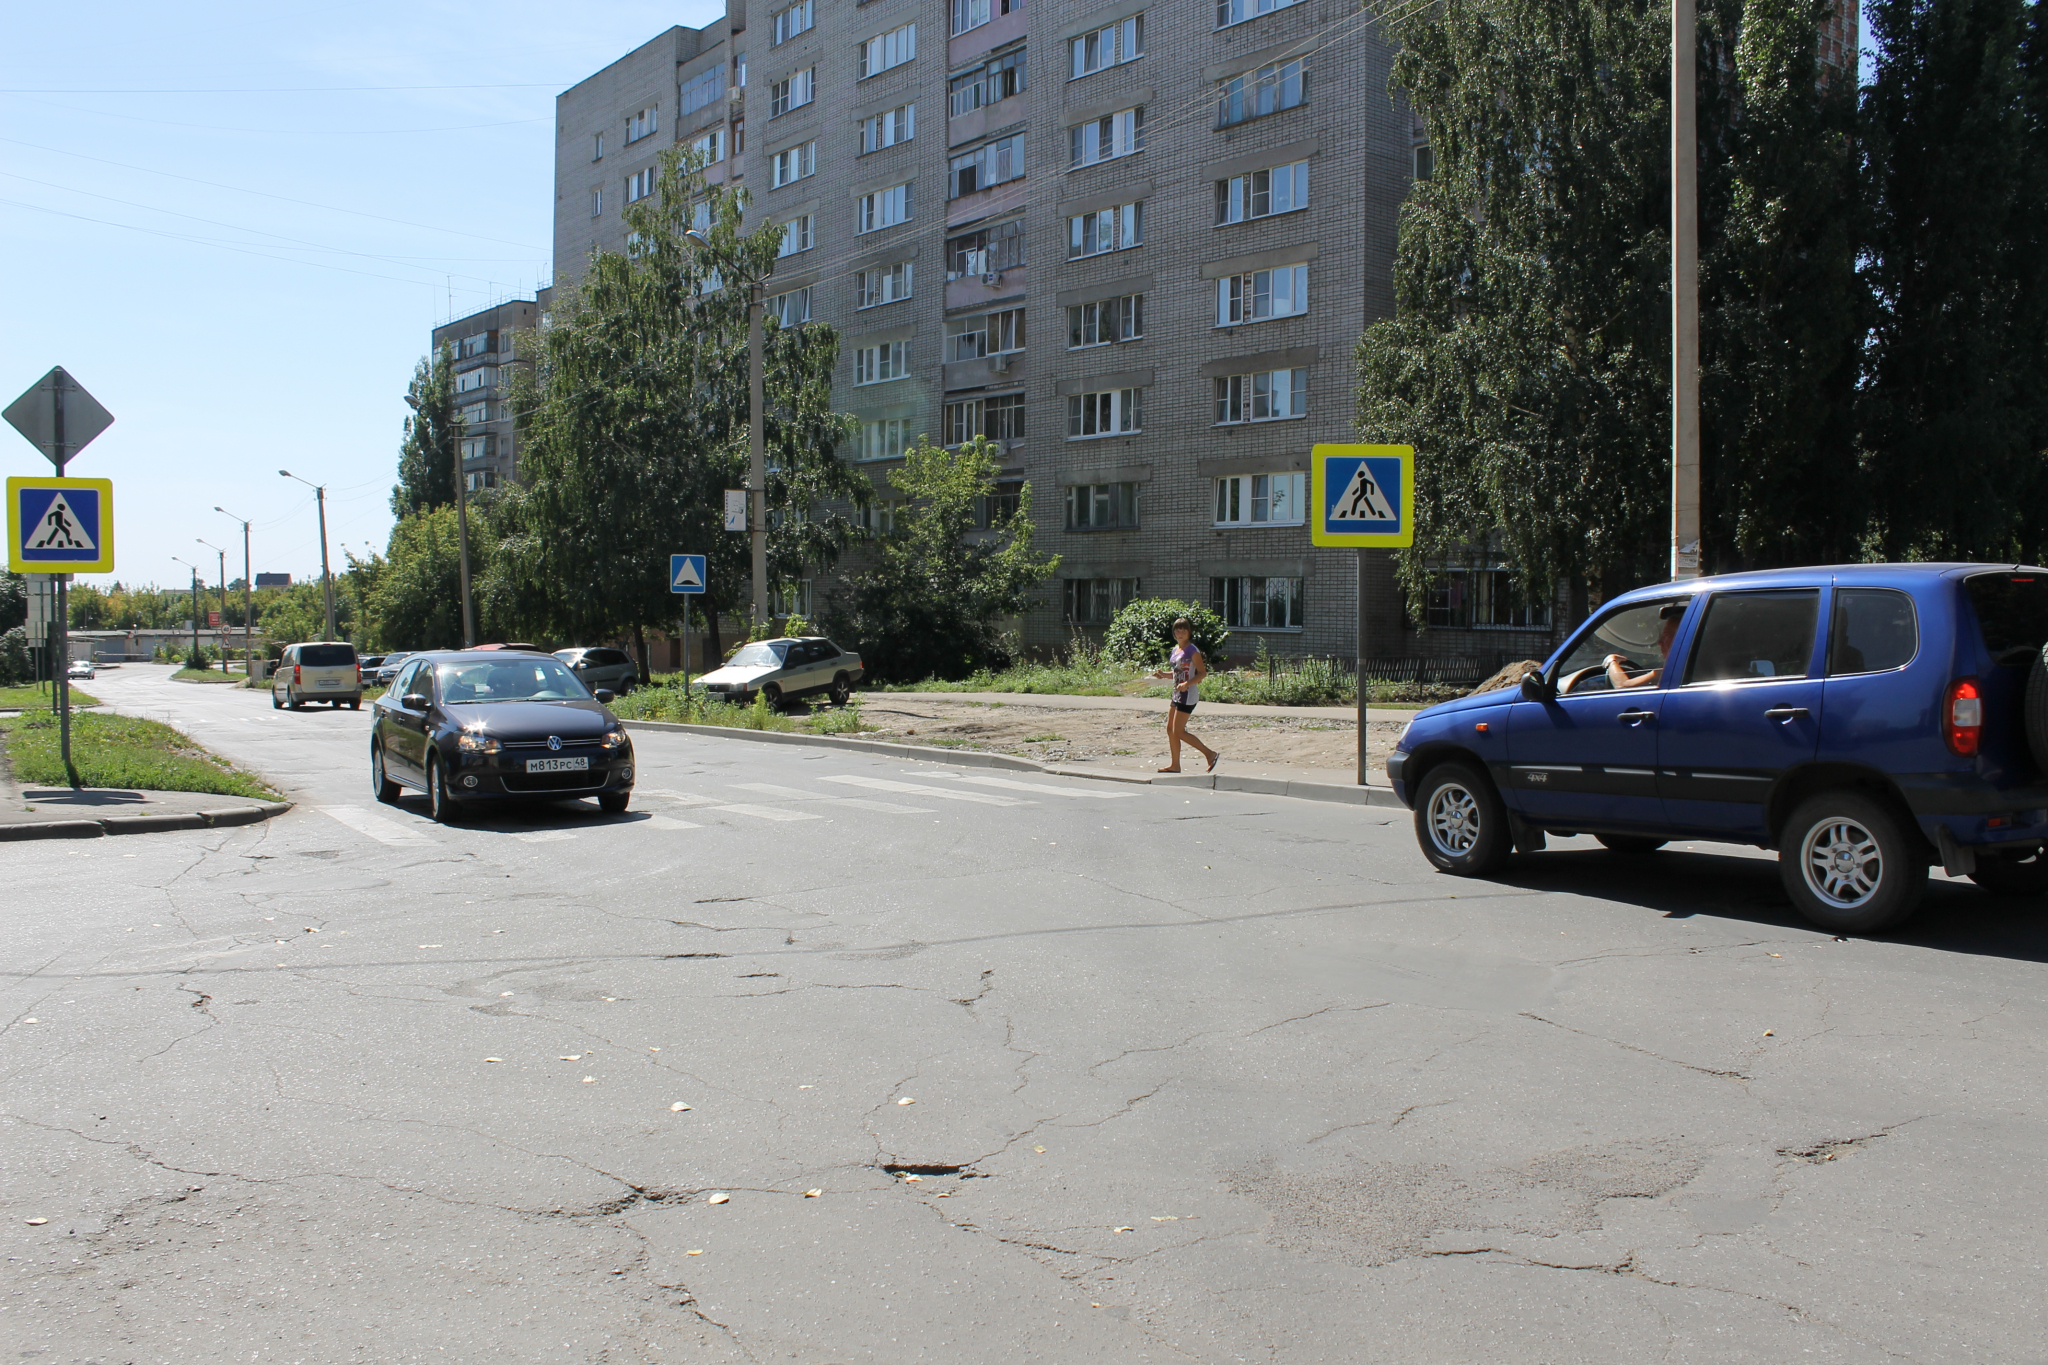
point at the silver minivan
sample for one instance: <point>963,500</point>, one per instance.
<point>324,670</point>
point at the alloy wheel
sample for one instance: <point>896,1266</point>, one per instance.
<point>1453,820</point>
<point>1842,863</point>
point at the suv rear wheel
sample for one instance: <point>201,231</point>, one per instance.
<point>2015,874</point>
<point>1848,865</point>
<point>1461,822</point>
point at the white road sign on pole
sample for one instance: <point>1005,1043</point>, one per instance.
<point>735,509</point>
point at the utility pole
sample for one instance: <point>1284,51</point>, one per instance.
<point>757,431</point>
<point>195,600</point>
<point>326,578</point>
<point>248,616</point>
<point>220,632</point>
<point>1685,295</point>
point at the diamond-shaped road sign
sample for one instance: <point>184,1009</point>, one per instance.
<point>58,417</point>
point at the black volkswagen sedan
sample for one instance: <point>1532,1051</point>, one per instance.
<point>469,727</point>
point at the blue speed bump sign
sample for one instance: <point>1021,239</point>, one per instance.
<point>60,525</point>
<point>1362,496</point>
<point>686,573</point>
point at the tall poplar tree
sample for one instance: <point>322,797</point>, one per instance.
<point>426,459</point>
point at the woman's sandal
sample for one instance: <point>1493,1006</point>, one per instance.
<point>1213,758</point>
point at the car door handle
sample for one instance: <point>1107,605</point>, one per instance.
<point>1635,717</point>
<point>1785,713</point>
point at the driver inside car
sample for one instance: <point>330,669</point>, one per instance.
<point>1617,665</point>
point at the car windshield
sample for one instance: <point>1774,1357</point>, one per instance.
<point>760,654</point>
<point>508,680</point>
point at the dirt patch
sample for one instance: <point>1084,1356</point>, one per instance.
<point>1118,738</point>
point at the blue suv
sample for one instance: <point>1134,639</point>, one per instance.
<point>1865,720</point>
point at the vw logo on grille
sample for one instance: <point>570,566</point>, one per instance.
<point>554,741</point>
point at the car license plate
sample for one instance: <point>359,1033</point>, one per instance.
<point>557,765</point>
<point>327,682</point>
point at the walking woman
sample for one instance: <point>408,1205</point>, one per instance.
<point>1189,668</point>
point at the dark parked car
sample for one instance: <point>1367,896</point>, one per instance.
<point>470,729</point>
<point>1864,720</point>
<point>602,667</point>
<point>783,670</point>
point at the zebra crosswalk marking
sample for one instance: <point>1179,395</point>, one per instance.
<point>855,802</point>
<point>914,789</point>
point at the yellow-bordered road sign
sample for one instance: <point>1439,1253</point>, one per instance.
<point>60,525</point>
<point>1362,496</point>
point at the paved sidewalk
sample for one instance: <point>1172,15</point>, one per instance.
<point>61,813</point>
<point>1156,705</point>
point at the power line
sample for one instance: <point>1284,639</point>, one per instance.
<point>289,89</point>
<point>281,132</point>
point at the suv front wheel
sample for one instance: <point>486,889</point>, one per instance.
<point>1848,864</point>
<point>1461,822</point>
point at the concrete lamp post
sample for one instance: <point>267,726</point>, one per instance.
<point>220,632</point>
<point>757,436</point>
<point>326,578</point>
<point>248,614</point>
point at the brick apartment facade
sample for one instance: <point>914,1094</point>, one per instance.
<point>486,347</point>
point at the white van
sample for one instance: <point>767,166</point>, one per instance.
<point>321,671</point>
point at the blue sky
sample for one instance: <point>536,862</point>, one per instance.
<point>246,279</point>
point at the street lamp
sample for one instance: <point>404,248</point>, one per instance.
<point>757,439</point>
<point>248,616</point>
<point>326,578</point>
<point>217,634</point>
<point>195,600</point>
<point>461,532</point>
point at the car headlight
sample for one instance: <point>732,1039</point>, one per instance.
<point>614,739</point>
<point>477,744</point>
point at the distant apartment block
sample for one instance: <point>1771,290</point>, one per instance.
<point>486,347</point>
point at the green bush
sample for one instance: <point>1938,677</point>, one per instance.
<point>15,665</point>
<point>1142,633</point>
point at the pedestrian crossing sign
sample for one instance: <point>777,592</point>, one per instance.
<point>60,525</point>
<point>1362,496</point>
<point>686,573</point>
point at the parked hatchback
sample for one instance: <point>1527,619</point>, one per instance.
<point>783,670</point>
<point>599,667</point>
<point>1865,721</point>
<point>324,670</point>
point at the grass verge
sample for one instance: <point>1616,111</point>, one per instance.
<point>667,701</point>
<point>206,675</point>
<point>34,698</point>
<point>120,751</point>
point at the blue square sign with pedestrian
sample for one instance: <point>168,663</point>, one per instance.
<point>57,525</point>
<point>1362,495</point>
<point>686,573</point>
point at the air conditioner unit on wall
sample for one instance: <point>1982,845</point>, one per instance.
<point>992,277</point>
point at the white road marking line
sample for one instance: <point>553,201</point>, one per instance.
<point>769,812</point>
<point>544,836</point>
<point>680,798</point>
<point>913,789</point>
<point>1077,794</point>
<point>376,826</point>
<point>856,802</point>
<point>668,822</point>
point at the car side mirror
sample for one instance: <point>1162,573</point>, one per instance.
<point>414,701</point>
<point>605,696</point>
<point>1536,687</point>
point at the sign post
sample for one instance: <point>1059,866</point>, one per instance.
<point>60,419</point>
<point>686,575</point>
<point>1363,497</point>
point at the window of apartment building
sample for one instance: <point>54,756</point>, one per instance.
<point>796,236</point>
<point>1266,90</point>
<point>1113,412</point>
<point>739,70</point>
<point>787,24</point>
<point>1259,294</point>
<point>596,203</point>
<point>1116,229</point>
<point>990,164</point>
<point>882,284</point>
<point>702,90</point>
<point>1095,601</point>
<point>1261,499</point>
<point>986,251</point>
<point>1261,194</point>
<point>635,243</point>
<point>1268,396</point>
<point>891,49</point>
<point>476,344</point>
<point>483,377</point>
<point>882,362</point>
<point>792,92</point>
<point>1482,599</point>
<point>478,448</point>
<point>1425,162</point>
<point>597,146</point>
<point>1230,12</point>
<point>477,480</point>
<point>886,208</point>
<point>791,308</point>
<point>1111,320</point>
<point>881,440</point>
<point>999,419</point>
<point>994,80</point>
<point>1123,41</point>
<point>700,215</point>
<point>475,414</point>
<point>888,129</point>
<point>1105,139</point>
<point>710,147</point>
<point>985,334</point>
<point>647,121</point>
<point>970,14</point>
<point>1257,603</point>
<point>1102,506</point>
<point>995,508</point>
<point>793,163</point>
<point>739,137</point>
<point>639,185</point>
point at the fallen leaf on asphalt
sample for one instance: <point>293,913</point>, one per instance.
<point>1123,1229</point>
<point>906,1100</point>
<point>590,1080</point>
<point>430,945</point>
<point>31,1021</point>
<point>1767,1033</point>
<point>1038,1149</point>
<point>678,1107</point>
<point>719,1198</point>
<point>37,1222</point>
<point>807,1087</point>
<point>913,1177</point>
<point>812,1194</point>
<point>494,1059</point>
<point>943,1194</point>
<point>503,994</point>
<point>577,1057</point>
<point>1169,1218</point>
<point>1774,954</point>
<point>693,1253</point>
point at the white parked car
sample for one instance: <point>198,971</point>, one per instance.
<point>783,670</point>
<point>321,671</point>
<point>81,668</point>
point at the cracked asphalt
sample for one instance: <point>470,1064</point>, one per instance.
<point>986,1069</point>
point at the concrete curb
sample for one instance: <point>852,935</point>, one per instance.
<point>225,817</point>
<point>973,758</point>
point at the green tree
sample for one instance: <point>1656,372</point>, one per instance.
<point>415,597</point>
<point>1954,414</point>
<point>299,613</point>
<point>426,458</point>
<point>934,601</point>
<point>1142,632</point>
<point>13,600</point>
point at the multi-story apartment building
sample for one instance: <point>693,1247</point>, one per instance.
<point>1134,242</point>
<point>486,346</point>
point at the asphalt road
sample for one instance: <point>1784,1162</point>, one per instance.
<point>1183,1077</point>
